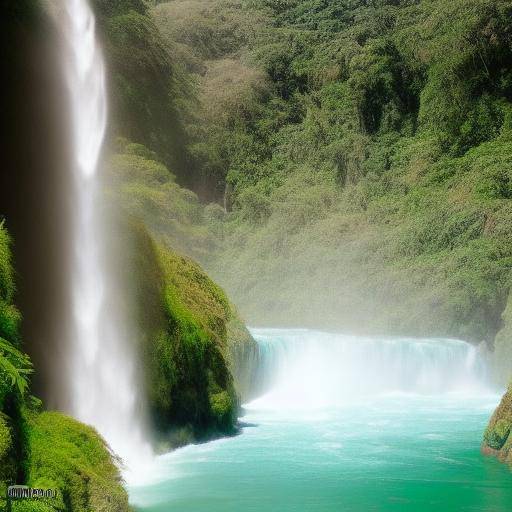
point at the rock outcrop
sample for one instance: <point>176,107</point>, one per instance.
<point>199,359</point>
<point>498,435</point>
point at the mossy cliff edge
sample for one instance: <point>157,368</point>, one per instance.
<point>498,435</point>
<point>192,341</point>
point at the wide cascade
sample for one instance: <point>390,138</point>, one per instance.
<point>347,423</point>
<point>100,354</point>
<point>308,369</point>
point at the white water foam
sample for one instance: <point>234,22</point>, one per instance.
<point>305,369</point>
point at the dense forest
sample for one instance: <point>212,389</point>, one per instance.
<point>353,156</point>
<point>350,161</point>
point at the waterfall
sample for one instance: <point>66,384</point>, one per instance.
<point>101,371</point>
<point>308,369</point>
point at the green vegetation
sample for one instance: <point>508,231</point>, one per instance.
<point>14,365</point>
<point>186,346</point>
<point>361,152</point>
<point>498,437</point>
<point>70,457</point>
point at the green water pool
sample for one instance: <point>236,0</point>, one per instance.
<point>395,451</point>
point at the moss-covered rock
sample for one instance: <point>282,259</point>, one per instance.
<point>147,191</point>
<point>70,457</point>
<point>187,346</point>
<point>498,435</point>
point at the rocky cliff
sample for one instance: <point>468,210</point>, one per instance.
<point>498,435</point>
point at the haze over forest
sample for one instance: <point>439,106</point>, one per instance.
<point>351,159</point>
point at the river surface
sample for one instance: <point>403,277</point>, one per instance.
<point>347,424</point>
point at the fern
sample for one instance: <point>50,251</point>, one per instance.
<point>15,367</point>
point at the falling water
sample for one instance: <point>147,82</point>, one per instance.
<point>102,375</point>
<point>347,423</point>
<point>309,369</point>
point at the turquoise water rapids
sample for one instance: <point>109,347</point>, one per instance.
<point>346,424</point>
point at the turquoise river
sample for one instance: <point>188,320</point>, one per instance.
<point>346,424</point>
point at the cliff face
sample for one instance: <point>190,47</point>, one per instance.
<point>498,435</point>
<point>194,384</point>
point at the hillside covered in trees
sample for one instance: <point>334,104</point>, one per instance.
<point>356,155</point>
